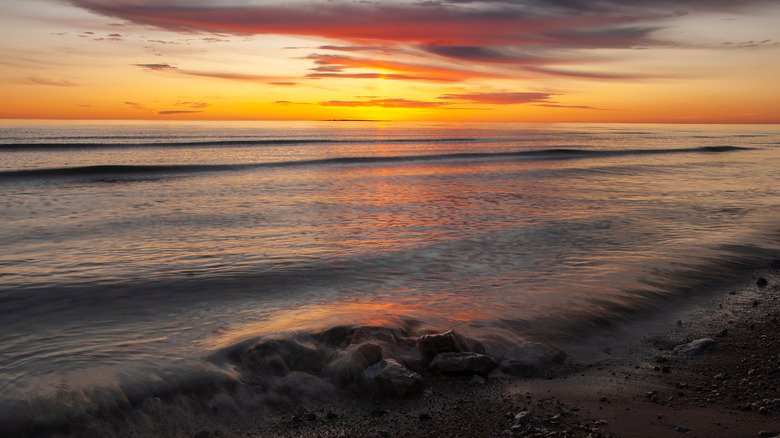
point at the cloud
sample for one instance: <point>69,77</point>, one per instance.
<point>35,79</point>
<point>485,54</point>
<point>510,23</point>
<point>554,105</point>
<point>193,104</point>
<point>499,98</point>
<point>283,83</point>
<point>169,112</point>
<point>333,66</point>
<point>385,103</point>
<point>586,75</point>
<point>135,105</point>
<point>156,67</point>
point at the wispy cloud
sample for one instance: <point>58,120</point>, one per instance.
<point>334,66</point>
<point>385,103</point>
<point>499,98</point>
<point>156,67</point>
<point>35,79</point>
<point>169,112</point>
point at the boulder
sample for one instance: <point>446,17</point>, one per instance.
<point>348,363</point>
<point>448,342</point>
<point>531,359</point>
<point>392,378</point>
<point>693,348</point>
<point>463,363</point>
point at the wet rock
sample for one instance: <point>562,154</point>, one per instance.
<point>477,380</point>
<point>529,360</point>
<point>349,363</point>
<point>693,348</point>
<point>280,357</point>
<point>463,363</point>
<point>392,378</point>
<point>359,335</point>
<point>448,342</point>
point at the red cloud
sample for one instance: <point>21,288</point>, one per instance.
<point>333,66</point>
<point>401,23</point>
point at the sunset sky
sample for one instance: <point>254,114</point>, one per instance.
<point>676,61</point>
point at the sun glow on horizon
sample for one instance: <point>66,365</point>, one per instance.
<point>612,61</point>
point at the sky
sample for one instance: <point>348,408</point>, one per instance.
<point>661,61</point>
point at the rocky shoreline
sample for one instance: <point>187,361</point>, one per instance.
<point>714,373</point>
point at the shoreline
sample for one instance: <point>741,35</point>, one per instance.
<point>642,389</point>
<point>626,381</point>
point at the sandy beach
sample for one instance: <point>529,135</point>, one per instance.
<point>641,388</point>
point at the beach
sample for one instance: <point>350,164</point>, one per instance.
<point>642,388</point>
<point>400,279</point>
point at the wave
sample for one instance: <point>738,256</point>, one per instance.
<point>217,143</point>
<point>108,171</point>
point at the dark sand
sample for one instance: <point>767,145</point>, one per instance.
<point>639,388</point>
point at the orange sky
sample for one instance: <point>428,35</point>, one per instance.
<point>675,61</point>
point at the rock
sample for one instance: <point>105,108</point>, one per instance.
<point>448,342</point>
<point>506,433</point>
<point>348,363</point>
<point>392,378</point>
<point>203,433</point>
<point>362,334</point>
<point>477,380</point>
<point>461,363</point>
<point>280,357</point>
<point>693,348</point>
<point>529,360</point>
<point>523,417</point>
<point>762,282</point>
<point>681,429</point>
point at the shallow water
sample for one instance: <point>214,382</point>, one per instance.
<point>136,250</point>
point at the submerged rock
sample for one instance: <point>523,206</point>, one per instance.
<point>391,378</point>
<point>461,363</point>
<point>693,348</point>
<point>529,360</point>
<point>448,342</point>
<point>348,363</point>
<point>280,357</point>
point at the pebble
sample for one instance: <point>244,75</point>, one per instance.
<point>477,381</point>
<point>523,417</point>
<point>681,429</point>
<point>507,433</point>
<point>693,348</point>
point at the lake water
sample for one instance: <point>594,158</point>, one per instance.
<point>133,251</point>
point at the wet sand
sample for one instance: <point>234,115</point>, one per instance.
<point>640,388</point>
